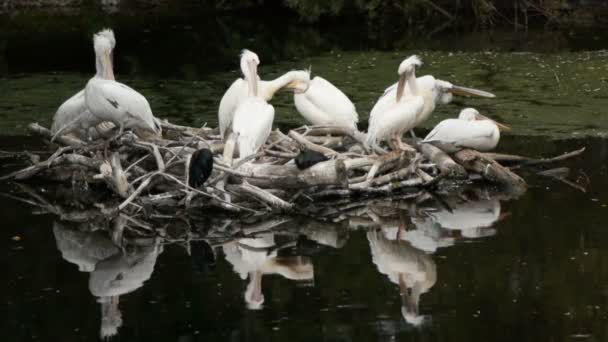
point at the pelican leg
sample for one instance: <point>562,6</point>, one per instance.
<point>413,134</point>
<point>403,146</point>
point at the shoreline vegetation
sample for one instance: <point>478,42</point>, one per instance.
<point>440,14</point>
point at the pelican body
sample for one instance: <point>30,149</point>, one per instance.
<point>239,89</point>
<point>470,130</point>
<point>394,115</point>
<point>113,101</point>
<point>326,105</point>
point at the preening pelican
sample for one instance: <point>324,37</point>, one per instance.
<point>73,116</point>
<point>470,130</point>
<point>434,92</point>
<point>324,104</point>
<point>253,117</point>
<point>393,116</point>
<point>413,270</point>
<point>254,257</point>
<point>112,101</point>
<point>239,90</point>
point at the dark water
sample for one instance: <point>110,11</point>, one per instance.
<point>532,268</point>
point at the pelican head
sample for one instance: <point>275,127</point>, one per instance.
<point>109,34</point>
<point>410,296</point>
<point>249,67</point>
<point>104,42</point>
<point>471,114</point>
<point>406,69</point>
<point>443,92</point>
<point>300,81</point>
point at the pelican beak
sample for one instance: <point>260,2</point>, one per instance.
<point>109,66</point>
<point>401,86</point>
<point>464,91</point>
<point>253,77</point>
<point>502,127</point>
<point>298,87</point>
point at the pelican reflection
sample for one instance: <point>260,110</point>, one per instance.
<point>252,258</point>
<point>413,270</point>
<point>114,271</point>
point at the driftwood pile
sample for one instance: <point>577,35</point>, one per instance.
<point>150,176</point>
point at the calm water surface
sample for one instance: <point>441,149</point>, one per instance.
<point>473,267</point>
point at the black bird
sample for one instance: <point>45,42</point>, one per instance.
<point>201,165</point>
<point>308,158</point>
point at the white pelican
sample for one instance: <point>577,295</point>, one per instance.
<point>392,116</point>
<point>434,92</point>
<point>473,219</point>
<point>254,257</point>
<point>239,90</point>
<point>470,130</point>
<point>413,270</point>
<point>324,104</point>
<point>112,101</point>
<point>253,117</point>
<point>73,116</point>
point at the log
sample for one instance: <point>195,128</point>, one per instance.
<point>445,164</point>
<point>489,169</point>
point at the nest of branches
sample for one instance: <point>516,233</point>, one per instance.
<point>135,176</point>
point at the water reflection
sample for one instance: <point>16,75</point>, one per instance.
<point>403,236</point>
<point>114,271</point>
<point>412,269</point>
<point>255,257</point>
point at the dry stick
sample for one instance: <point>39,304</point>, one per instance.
<point>119,177</point>
<point>206,194</point>
<point>36,168</point>
<point>262,195</point>
<point>46,133</point>
<point>310,145</point>
<point>550,160</point>
<point>444,163</point>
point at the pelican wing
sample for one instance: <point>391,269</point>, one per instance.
<point>228,104</point>
<point>480,135</point>
<point>252,124</point>
<point>69,112</point>
<point>117,102</point>
<point>325,104</point>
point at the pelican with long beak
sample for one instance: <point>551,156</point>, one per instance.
<point>74,117</point>
<point>113,101</point>
<point>470,130</point>
<point>394,115</point>
<point>296,81</point>
<point>434,92</point>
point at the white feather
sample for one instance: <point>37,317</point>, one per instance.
<point>325,104</point>
<point>388,119</point>
<point>481,135</point>
<point>113,101</point>
<point>239,91</point>
<point>252,125</point>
